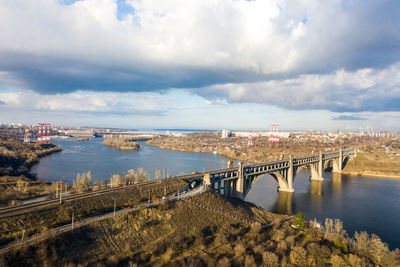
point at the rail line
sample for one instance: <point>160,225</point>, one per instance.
<point>24,208</point>
<point>70,227</point>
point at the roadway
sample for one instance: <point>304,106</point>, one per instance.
<point>69,227</point>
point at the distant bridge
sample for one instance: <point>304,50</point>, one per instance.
<point>237,182</point>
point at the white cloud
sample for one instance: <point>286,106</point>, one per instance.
<point>362,90</point>
<point>276,52</point>
<point>85,102</point>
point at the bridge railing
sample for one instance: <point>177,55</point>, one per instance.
<point>256,165</point>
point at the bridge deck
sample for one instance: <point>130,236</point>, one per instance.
<point>263,168</point>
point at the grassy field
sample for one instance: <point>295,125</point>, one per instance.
<point>374,162</point>
<point>12,228</point>
<point>122,144</point>
<point>14,189</point>
<point>207,230</point>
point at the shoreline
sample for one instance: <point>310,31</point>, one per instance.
<point>352,173</point>
<point>367,174</point>
<point>212,152</point>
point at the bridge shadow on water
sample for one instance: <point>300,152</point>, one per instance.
<point>362,203</point>
<point>309,195</point>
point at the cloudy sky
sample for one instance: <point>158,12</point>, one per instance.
<point>204,64</point>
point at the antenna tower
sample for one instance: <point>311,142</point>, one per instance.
<point>274,134</point>
<point>250,140</point>
<point>27,135</point>
<point>43,133</point>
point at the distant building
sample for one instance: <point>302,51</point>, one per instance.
<point>226,134</point>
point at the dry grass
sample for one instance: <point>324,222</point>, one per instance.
<point>374,162</point>
<point>184,234</point>
<point>11,228</point>
<point>262,151</point>
<point>122,144</point>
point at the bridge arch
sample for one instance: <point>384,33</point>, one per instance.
<point>237,182</point>
<point>332,164</point>
<point>345,161</point>
<point>283,184</point>
<point>312,168</point>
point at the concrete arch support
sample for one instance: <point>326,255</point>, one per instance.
<point>316,174</point>
<point>250,181</point>
<point>284,185</point>
<point>336,167</point>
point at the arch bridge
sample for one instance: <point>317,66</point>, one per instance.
<point>237,181</point>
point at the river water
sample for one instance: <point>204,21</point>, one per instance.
<point>362,203</point>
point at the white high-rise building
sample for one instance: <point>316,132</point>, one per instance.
<point>226,134</point>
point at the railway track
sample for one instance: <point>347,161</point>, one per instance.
<point>70,227</point>
<point>28,207</point>
<point>24,208</point>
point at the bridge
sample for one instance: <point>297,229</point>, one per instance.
<point>236,182</point>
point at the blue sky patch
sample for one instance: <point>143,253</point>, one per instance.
<point>124,9</point>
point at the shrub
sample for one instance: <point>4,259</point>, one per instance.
<point>290,241</point>
<point>298,255</point>
<point>342,246</point>
<point>224,261</point>
<point>354,260</point>
<point>373,248</point>
<point>249,261</point>
<point>115,180</point>
<point>133,177</point>
<point>337,261</point>
<point>239,249</point>
<point>83,181</point>
<point>299,221</point>
<point>270,259</point>
<point>334,229</point>
<point>281,247</point>
<point>278,235</point>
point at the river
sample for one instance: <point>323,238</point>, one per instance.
<point>362,203</point>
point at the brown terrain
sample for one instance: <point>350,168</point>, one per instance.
<point>377,155</point>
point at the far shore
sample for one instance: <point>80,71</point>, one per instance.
<point>352,173</point>
<point>377,175</point>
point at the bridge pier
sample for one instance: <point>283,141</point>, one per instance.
<point>239,183</point>
<point>219,187</point>
<point>317,175</point>
<point>286,186</point>
<point>339,163</point>
<point>232,184</point>
<point>207,179</point>
<point>287,190</point>
<point>227,188</point>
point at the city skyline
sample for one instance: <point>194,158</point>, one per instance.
<point>201,65</point>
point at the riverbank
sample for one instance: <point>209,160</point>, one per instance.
<point>17,157</point>
<point>374,163</point>
<point>371,174</point>
<point>206,230</point>
<point>16,160</point>
<point>121,144</point>
<point>237,147</point>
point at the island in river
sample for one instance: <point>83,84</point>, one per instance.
<point>122,144</point>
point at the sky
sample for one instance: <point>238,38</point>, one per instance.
<point>209,64</point>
